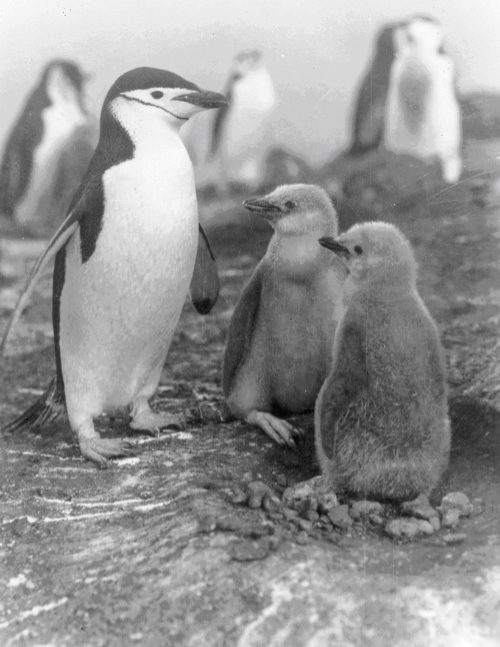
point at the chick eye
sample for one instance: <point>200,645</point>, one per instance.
<point>290,204</point>
<point>157,94</point>
<point>358,250</point>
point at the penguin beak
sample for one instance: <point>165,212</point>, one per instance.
<point>203,99</point>
<point>262,207</point>
<point>335,247</point>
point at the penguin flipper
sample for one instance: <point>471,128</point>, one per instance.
<point>58,240</point>
<point>368,118</point>
<point>239,336</point>
<point>204,288</point>
<point>346,381</point>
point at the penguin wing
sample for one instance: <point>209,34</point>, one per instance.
<point>346,381</point>
<point>369,116</point>
<point>205,285</point>
<point>239,336</point>
<point>58,240</point>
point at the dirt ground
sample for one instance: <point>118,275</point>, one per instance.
<point>159,550</point>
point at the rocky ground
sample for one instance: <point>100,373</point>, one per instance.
<point>201,537</point>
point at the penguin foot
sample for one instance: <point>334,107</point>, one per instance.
<point>99,449</point>
<point>278,430</point>
<point>151,423</point>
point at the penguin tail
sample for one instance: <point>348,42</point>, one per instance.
<point>46,409</point>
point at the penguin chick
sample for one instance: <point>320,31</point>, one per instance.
<point>381,418</point>
<point>125,257</point>
<point>278,348</point>
<point>53,125</point>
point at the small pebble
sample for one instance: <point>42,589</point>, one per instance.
<point>454,538</point>
<point>256,491</point>
<point>456,501</point>
<point>450,518</point>
<point>270,502</point>
<point>420,508</point>
<point>239,497</point>
<point>376,519</point>
<point>281,480</point>
<point>290,514</point>
<point>326,502</point>
<point>408,528</point>
<point>304,525</point>
<point>340,518</point>
<point>360,509</point>
<point>435,523</point>
<point>302,538</point>
<point>206,525</point>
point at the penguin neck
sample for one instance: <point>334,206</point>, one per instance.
<point>127,136</point>
<point>295,254</point>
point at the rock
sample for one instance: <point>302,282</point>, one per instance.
<point>256,491</point>
<point>360,509</point>
<point>420,508</point>
<point>454,538</point>
<point>408,528</point>
<point>239,497</point>
<point>326,502</point>
<point>311,515</point>
<point>304,525</point>
<point>282,480</point>
<point>456,501</point>
<point>376,519</point>
<point>290,514</point>
<point>302,538</point>
<point>450,518</point>
<point>302,498</point>
<point>340,518</point>
<point>435,523</point>
<point>206,525</point>
<point>271,502</point>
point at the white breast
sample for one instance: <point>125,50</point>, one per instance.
<point>119,310</point>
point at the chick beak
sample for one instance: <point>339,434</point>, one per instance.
<point>334,246</point>
<point>203,99</point>
<point>263,207</point>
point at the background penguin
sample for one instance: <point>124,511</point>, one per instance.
<point>240,135</point>
<point>48,149</point>
<point>407,100</point>
<point>381,418</point>
<point>125,259</point>
<point>422,111</point>
<point>278,348</point>
<point>369,111</point>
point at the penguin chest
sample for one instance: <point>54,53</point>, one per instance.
<point>120,308</point>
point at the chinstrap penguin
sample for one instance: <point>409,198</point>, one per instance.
<point>53,125</point>
<point>278,347</point>
<point>422,112</point>
<point>407,101</point>
<point>381,418</point>
<point>240,131</point>
<point>125,258</point>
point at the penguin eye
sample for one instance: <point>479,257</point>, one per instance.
<point>358,250</point>
<point>289,204</point>
<point>157,94</point>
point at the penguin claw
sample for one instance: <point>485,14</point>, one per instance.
<point>151,423</point>
<point>100,449</point>
<point>278,430</point>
